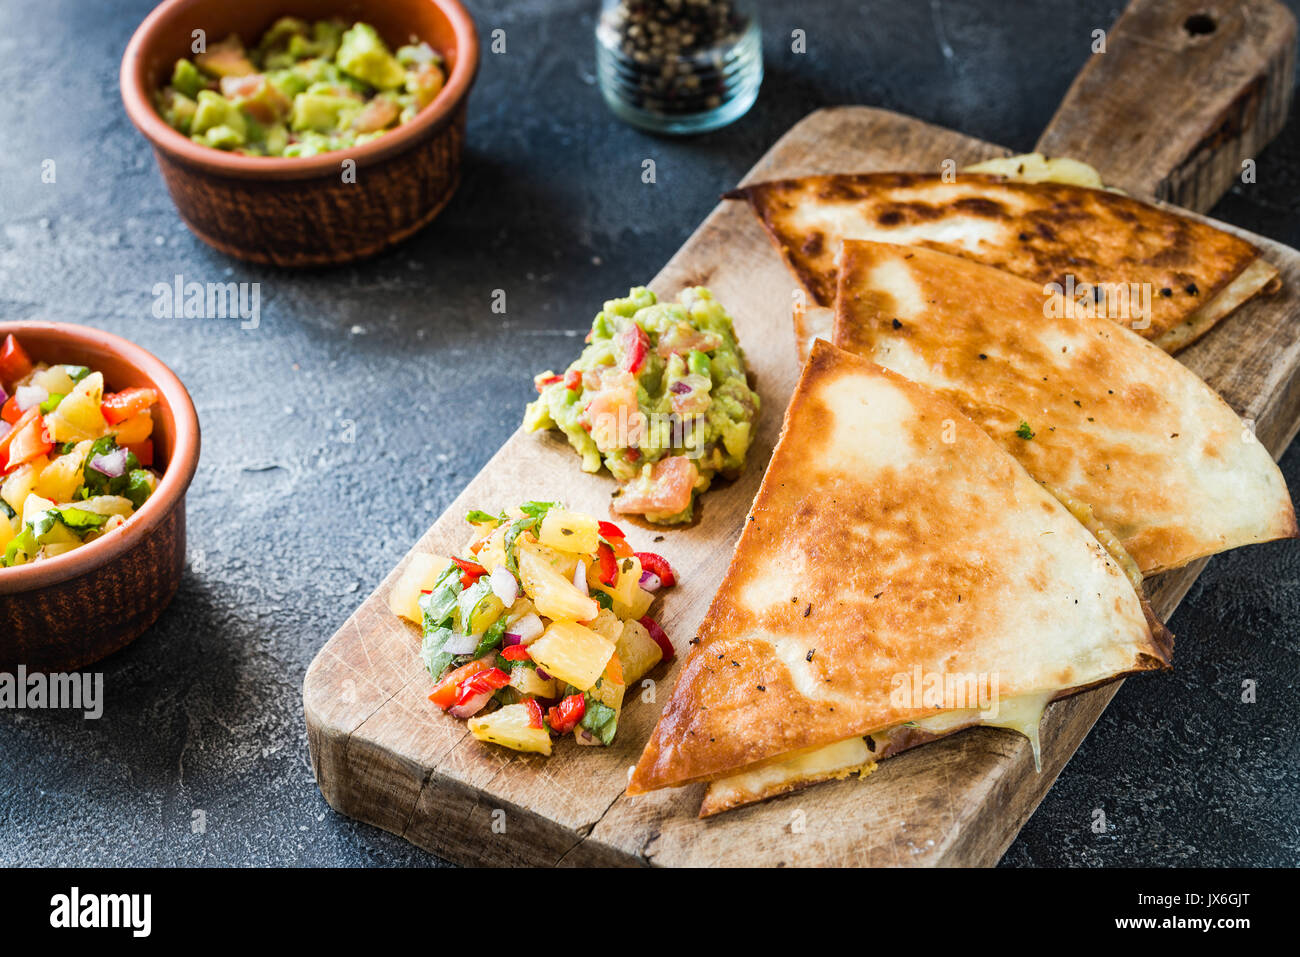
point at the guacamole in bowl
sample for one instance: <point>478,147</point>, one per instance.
<point>659,396</point>
<point>304,89</point>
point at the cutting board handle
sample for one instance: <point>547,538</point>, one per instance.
<point>1184,92</point>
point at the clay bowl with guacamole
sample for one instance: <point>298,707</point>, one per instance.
<point>308,133</point>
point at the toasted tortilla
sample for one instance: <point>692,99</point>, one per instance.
<point>1049,232</point>
<point>1117,425</point>
<point>890,537</point>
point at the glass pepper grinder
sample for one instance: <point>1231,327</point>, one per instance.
<point>679,66</point>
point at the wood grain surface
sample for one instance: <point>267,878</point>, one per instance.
<point>382,753</point>
<point>1182,94</point>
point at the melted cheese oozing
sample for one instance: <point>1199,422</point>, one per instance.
<point>837,760</point>
<point>1022,713</point>
<point>1037,168</point>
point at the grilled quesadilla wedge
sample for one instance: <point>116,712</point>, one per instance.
<point>1092,410</point>
<point>1044,231</point>
<point>891,539</point>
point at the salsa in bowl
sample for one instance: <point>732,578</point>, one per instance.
<point>75,461</point>
<point>70,607</point>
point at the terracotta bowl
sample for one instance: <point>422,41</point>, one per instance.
<point>299,211</point>
<point>66,612</point>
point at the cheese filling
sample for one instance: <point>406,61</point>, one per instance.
<point>1021,713</point>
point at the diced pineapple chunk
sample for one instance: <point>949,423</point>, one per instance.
<point>637,651</point>
<point>33,506</point>
<point>107,505</point>
<point>509,728</point>
<point>420,573</point>
<point>520,609</point>
<point>6,530</point>
<point>555,596</point>
<point>607,625</point>
<point>572,653</point>
<point>62,477</point>
<point>528,682</point>
<point>640,604</point>
<point>19,485</point>
<point>78,416</point>
<point>569,532</point>
<point>612,684</point>
<point>492,553</point>
<point>629,599</point>
<point>53,380</point>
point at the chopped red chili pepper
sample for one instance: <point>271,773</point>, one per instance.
<point>609,531</point>
<point>143,451</point>
<point>120,406</point>
<point>10,411</point>
<point>608,570</point>
<point>534,713</point>
<point>515,653</point>
<point>471,571</point>
<point>657,565</point>
<point>481,682</point>
<point>564,717</point>
<point>14,363</point>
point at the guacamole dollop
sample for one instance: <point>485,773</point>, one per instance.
<point>659,396</point>
<point>305,88</point>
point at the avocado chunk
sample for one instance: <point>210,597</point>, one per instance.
<point>362,54</point>
<point>322,112</point>
<point>187,79</point>
<point>178,110</point>
<point>213,111</point>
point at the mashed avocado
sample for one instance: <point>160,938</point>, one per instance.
<point>659,396</point>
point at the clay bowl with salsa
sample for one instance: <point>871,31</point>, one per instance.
<point>65,612</point>
<point>324,209</point>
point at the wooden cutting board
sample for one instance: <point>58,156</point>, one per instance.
<point>382,753</point>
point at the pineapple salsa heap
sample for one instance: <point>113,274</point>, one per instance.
<point>541,631</point>
<point>660,395</point>
<point>73,459</point>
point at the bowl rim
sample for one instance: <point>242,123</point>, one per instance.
<point>171,488</point>
<point>140,109</point>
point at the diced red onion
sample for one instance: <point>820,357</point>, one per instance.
<point>580,577</point>
<point>650,582</point>
<point>509,639</point>
<point>4,396</point>
<point>542,674</point>
<point>461,644</point>
<point>504,585</point>
<point>26,396</point>
<point>111,463</point>
<point>471,707</point>
<point>4,429</point>
<point>529,628</point>
<point>679,387</point>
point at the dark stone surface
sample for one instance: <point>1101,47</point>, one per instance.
<point>291,524</point>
